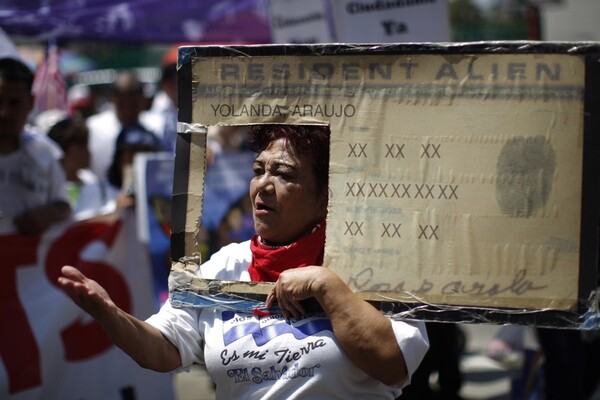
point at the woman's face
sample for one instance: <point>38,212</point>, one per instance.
<point>285,204</point>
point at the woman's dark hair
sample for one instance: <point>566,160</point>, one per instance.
<point>311,141</point>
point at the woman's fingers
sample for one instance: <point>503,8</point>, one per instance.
<point>86,293</point>
<point>293,286</point>
<point>295,308</point>
<point>288,305</point>
<point>72,281</point>
<point>72,274</point>
<point>271,299</point>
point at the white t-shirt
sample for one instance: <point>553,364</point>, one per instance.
<point>91,197</point>
<point>30,177</point>
<point>104,128</point>
<point>252,357</point>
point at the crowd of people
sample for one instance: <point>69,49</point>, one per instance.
<point>87,153</point>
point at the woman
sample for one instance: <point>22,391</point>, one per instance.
<point>348,349</point>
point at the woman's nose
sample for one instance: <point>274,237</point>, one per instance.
<point>265,184</point>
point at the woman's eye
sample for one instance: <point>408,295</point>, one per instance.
<point>258,171</point>
<point>284,175</point>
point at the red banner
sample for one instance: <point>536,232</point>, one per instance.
<point>51,349</point>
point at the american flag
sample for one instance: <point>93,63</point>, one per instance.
<point>49,85</point>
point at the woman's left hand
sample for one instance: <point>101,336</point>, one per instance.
<point>363,331</point>
<point>293,286</point>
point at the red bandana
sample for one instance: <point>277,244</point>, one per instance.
<point>268,261</point>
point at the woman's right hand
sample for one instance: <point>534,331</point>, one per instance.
<point>85,292</point>
<point>143,342</point>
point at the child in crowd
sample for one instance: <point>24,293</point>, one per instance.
<point>88,194</point>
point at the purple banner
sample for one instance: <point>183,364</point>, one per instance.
<point>139,21</point>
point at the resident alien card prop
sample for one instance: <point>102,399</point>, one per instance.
<point>463,177</point>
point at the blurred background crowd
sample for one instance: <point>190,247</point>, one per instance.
<point>105,90</point>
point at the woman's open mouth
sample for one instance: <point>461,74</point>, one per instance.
<point>261,208</point>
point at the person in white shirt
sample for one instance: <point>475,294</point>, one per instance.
<point>344,349</point>
<point>128,109</point>
<point>31,178</point>
<point>165,101</point>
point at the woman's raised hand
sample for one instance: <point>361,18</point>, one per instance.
<point>85,292</point>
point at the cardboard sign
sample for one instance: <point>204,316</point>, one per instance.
<point>460,174</point>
